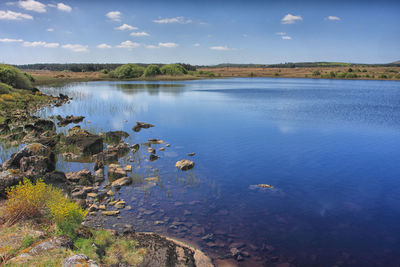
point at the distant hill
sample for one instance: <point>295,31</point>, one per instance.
<point>396,62</point>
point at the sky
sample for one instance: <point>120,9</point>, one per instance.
<point>198,32</point>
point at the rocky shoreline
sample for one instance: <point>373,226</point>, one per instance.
<point>95,191</point>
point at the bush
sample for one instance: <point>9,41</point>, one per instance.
<point>350,70</point>
<point>316,73</point>
<point>5,88</point>
<point>382,76</point>
<point>28,200</point>
<point>15,78</point>
<point>124,251</point>
<point>127,71</point>
<point>332,74</point>
<point>173,70</point>
<point>152,70</point>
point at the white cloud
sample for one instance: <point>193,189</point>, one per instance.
<point>220,48</point>
<point>104,46</point>
<point>280,33</point>
<point>64,7</point>
<point>40,43</point>
<point>168,45</point>
<point>32,5</point>
<point>139,34</point>
<point>196,45</point>
<point>180,20</point>
<point>114,15</point>
<point>152,46</point>
<point>7,40</point>
<point>50,30</point>
<point>126,27</point>
<point>10,15</point>
<point>76,47</point>
<point>52,45</point>
<point>286,38</point>
<point>291,19</point>
<point>128,45</point>
<point>332,18</point>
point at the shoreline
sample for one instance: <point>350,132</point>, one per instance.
<point>88,190</point>
<point>49,78</point>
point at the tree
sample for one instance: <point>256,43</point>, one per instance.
<point>152,70</point>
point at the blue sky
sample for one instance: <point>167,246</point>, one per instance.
<point>198,32</point>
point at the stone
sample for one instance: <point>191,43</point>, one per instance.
<point>135,148</point>
<point>83,177</point>
<point>141,125</point>
<point>120,204</point>
<point>78,260</point>
<point>156,141</point>
<point>92,195</point>
<point>152,179</point>
<point>191,154</point>
<point>69,119</point>
<point>128,168</point>
<point>115,171</point>
<point>114,136</point>
<point>121,182</point>
<point>153,157</point>
<point>162,149</point>
<point>110,193</point>
<point>184,164</point>
<point>102,207</point>
<point>110,212</point>
<point>151,150</point>
<point>85,142</point>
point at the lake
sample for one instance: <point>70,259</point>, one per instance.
<point>329,148</point>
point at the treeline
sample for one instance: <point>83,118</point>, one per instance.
<point>87,67</point>
<point>302,65</point>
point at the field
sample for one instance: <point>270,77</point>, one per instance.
<point>371,73</point>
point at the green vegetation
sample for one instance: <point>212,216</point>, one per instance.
<point>173,70</point>
<point>152,70</point>
<point>15,78</point>
<point>382,76</point>
<point>127,71</point>
<point>5,88</point>
<point>316,73</point>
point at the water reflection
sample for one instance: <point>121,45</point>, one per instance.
<point>151,88</point>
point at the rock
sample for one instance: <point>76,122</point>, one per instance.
<point>4,129</point>
<point>184,164</point>
<point>78,260</point>
<point>84,142</point>
<point>110,212</point>
<point>102,207</point>
<point>128,168</point>
<point>92,195</point>
<point>265,186</point>
<point>114,136</point>
<point>51,243</point>
<point>153,157</point>
<point>141,125</point>
<point>80,194</point>
<point>44,125</point>
<point>238,245</point>
<point>8,178</point>
<point>93,207</point>
<point>121,182</point>
<point>83,177</point>
<point>69,119</point>
<point>152,179</point>
<point>191,154</point>
<point>209,237</point>
<point>156,141</point>
<point>151,150</point>
<point>115,171</point>
<point>162,149</point>
<point>110,193</point>
<point>99,175</point>
<point>135,148</point>
<point>120,204</point>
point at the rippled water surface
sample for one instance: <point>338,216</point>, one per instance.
<point>330,148</point>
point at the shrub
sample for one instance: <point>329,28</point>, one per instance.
<point>316,73</point>
<point>173,70</point>
<point>152,70</point>
<point>28,200</point>
<point>127,71</point>
<point>332,74</point>
<point>5,88</point>
<point>276,74</point>
<point>66,214</point>
<point>364,70</point>
<point>15,78</point>
<point>397,76</point>
<point>350,70</point>
<point>382,76</point>
<point>351,75</point>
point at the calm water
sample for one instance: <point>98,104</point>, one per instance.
<point>331,149</point>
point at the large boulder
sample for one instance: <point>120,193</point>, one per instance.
<point>84,143</point>
<point>83,177</point>
<point>184,164</point>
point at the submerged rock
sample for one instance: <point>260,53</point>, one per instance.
<point>114,136</point>
<point>121,182</point>
<point>184,164</point>
<point>115,171</point>
<point>141,125</point>
<point>153,157</point>
<point>69,119</point>
<point>156,141</point>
